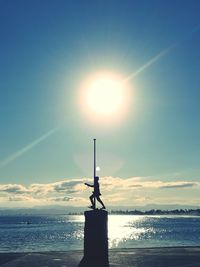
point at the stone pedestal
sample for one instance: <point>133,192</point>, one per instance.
<point>95,239</point>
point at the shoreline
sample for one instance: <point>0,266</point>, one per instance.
<point>132,257</point>
<point>110,249</point>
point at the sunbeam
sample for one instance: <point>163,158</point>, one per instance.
<point>162,53</point>
<point>149,63</point>
<point>25,149</point>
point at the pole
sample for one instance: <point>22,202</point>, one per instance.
<point>94,168</point>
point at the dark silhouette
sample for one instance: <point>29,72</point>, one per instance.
<point>95,239</point>
<point>96,229</point>
<point>96,193</point>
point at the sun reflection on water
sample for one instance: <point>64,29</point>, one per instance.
<point>123,228</point>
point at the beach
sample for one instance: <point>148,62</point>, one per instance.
<point>144,257</point>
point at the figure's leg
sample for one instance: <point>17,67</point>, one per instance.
<point>92,200</point>
<point>100,201</point>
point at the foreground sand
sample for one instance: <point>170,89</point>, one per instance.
<point>148,257</point>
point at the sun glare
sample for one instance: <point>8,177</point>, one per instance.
<point>104,97</point>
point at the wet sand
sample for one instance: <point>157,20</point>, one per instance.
<point>144,257</point>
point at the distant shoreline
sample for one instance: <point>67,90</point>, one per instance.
<point>194,212</point>
<point>32,212</point>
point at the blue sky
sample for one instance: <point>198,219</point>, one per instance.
<point>48,49</point>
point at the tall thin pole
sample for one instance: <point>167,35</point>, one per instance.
<point>94,168</point>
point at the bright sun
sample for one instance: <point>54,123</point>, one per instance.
<point>104,97</point>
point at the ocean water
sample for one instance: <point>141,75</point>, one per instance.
<point>65,232</point>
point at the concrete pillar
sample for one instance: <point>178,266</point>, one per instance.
<point>95,239</point>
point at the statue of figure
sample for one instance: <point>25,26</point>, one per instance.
<point>96,193</point>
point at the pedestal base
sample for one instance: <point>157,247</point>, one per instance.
<point>95,239</point>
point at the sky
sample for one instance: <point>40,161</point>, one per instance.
<point>147,154</point>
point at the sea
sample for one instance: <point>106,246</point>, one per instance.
<point>66,232</point>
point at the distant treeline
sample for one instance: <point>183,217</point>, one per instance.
<point>195,212</point>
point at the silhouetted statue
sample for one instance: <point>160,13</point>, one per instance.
<point>96,193</point>
<point>95,229</point>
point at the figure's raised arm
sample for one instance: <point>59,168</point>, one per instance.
<point>90,185</point>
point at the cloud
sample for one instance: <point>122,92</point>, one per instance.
<point>13,189</point>
<point>61,199</point>
<point>181,185</point>
<point>136,183</point>
<point>67,186</point>
<point>21,198</point>
<point>115,191</point>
